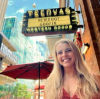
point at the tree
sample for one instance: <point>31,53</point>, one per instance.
<point>3,87</point>
<point>2,94</point>
<point>4,90</point>
<point>20,91</point>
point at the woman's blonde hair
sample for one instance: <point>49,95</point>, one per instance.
<point>54,84</point>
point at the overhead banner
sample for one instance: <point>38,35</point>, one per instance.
<point>49,21</point>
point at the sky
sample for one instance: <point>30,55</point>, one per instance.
<point>19,7</point>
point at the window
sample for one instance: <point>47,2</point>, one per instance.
<point>70,3</point>
<point>99,1</point>
<point>67,3</point>
<point>81,22</point>
<point>41,91</point>
<point>41,80</point>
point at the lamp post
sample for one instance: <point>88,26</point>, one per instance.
<point>34,5</point>
<point>85,47</point>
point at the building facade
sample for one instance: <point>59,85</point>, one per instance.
<point>90,33</point>
<point>90,10</point>
<point>12,30</point>
<point>6,48</point>
<point>3,6</point>
<point>7,56</point>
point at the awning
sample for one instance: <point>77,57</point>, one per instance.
<point>6,80</point>
<point>41,87</point>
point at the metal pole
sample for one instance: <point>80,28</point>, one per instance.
<point>39,83</point>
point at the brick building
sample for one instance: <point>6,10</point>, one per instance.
<point>90,18</point>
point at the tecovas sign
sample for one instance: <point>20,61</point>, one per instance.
<point>49,21</point>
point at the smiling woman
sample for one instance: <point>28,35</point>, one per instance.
<point>71,78</point>
<point>65,55</point>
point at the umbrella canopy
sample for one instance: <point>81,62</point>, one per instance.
<point>37,70</point>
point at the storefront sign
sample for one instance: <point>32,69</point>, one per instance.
<point>8,53</point>
<point>49,21</point>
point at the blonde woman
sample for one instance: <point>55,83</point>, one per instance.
<point>71,77</point>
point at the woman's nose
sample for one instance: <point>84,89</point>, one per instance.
<point>64,53</point>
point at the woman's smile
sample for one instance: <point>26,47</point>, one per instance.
<point>66,60</point>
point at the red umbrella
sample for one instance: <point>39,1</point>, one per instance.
<point>41,87</point>
<point>37,70</point>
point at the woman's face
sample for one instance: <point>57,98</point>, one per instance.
<point>65,55</point>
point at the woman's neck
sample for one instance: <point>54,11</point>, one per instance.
<point>69,72</point>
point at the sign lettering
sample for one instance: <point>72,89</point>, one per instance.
<point>49,20</point>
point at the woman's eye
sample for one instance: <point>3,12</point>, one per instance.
<point>59,52</point>
<point>68,50</point>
